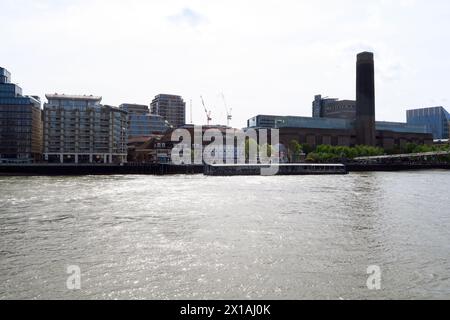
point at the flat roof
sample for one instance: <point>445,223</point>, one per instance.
<point>73,97</point>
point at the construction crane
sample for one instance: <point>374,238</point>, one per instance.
<point>208,113</point>
<point>229,116</point>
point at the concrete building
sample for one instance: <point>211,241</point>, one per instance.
<point>172,108</point>
<point>346,122</point>
<point>78,129</point>
<point>141,123</point>
<point>334,108</point>
<point>20,123</point>
<point>436,119</point>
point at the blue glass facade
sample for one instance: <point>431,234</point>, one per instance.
<point>20,123</point>
<point>401,127</point>
<point>263,121</point>
<point>142,123</point>
<point>436,119</point>
<point>145,125</point>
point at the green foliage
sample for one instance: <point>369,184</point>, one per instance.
<point>415,148</point>
<point>297,150</point>
<point>306,148</point>
<point>327,153</point>
<point>324,157</point>
<point>295,147</point>
<point>270,149</point>
<point>250,144</point>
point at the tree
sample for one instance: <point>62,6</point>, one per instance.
<point>251,145</point>
<point>328,153</point>
<point>269,148</point>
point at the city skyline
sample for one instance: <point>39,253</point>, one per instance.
<point>271,57</point>
<point>221,158</point>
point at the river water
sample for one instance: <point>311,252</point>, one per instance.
<point>197,237</point>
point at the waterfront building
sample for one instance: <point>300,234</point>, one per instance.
<point>141,123</point>
<point>78,129</point>
<point>339,132</point>
<point>346,122</point>
<point>153,149</point>
<point>171,107</point>
<point>20,123</point>
<point>436,119</point>
<point>334,108</point>
<point>229,153</point>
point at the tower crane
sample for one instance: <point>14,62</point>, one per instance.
<point>229,115</point>
<point>208,113</point>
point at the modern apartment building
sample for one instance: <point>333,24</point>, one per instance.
<point>141,123</point>
<point>436,119</point>
<point>20,123</point>
<point>172,108</point>
<point>78,129</point>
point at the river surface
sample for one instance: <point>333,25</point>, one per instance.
<point>197,237</point>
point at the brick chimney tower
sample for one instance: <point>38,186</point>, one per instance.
<point>365,100</point>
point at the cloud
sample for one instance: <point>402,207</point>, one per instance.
<point>267,56</point>
<point>188,17</point>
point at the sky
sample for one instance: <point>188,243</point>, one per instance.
<point>265,56</point>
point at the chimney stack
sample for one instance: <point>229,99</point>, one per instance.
<point>365,100</point>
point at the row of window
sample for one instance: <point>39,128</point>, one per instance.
<point>15,130</point>
<point>16,101</point>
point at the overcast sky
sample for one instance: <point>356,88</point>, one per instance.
<point>267,57</point>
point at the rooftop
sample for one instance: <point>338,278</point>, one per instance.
<point>72,97</point>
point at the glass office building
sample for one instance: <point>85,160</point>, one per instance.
<point>436,119</point>
<point>142,123</point>
<point>78,129</point>
<point>20,123</point>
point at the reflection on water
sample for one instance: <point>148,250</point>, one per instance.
<point>196,237</point>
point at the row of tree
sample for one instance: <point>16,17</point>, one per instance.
<point>328,153</point>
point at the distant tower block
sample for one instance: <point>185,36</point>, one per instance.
<point>365,99</point>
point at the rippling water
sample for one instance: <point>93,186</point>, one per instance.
<point>196,237</point>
